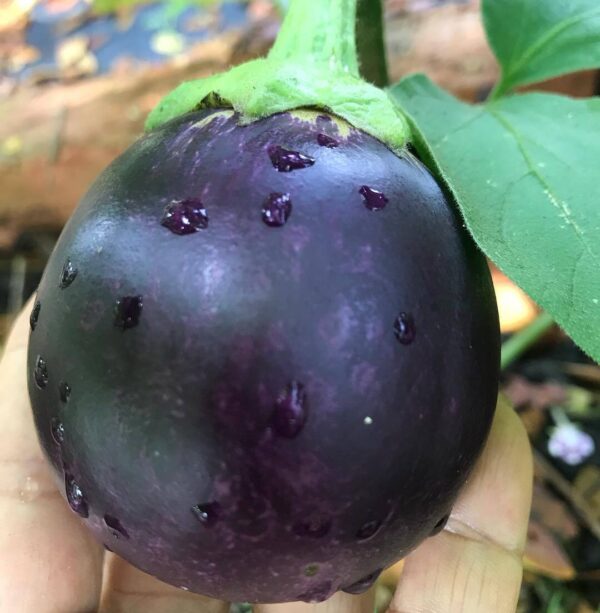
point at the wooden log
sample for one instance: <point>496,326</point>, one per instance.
<point>60,136</point>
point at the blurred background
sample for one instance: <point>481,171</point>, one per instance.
<point>77,79</point>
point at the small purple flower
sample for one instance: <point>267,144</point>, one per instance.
<point>570,444</point>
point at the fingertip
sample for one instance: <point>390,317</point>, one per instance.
<point>338,603</point>
<point>128,589</point>
<point>43,544</point>
<point>18,335</point>
<point>475,563</point>
<point>496,500</point>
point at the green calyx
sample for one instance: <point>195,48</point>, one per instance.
<point>313,64</point>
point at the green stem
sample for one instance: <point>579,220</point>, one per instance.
<point>559,416</point>
<point>321,32</point>
<point>370,41</point>
<point>520,342</point>
<point>313,65</point>
<point>499,90</point>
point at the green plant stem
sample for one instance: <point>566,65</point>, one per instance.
<point>517,344</point>
<point>559,416</point>
<point>313,64</point>
<point>370,42</point>
<point>500,90</point>
<point>322,32</point>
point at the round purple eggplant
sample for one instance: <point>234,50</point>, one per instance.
<point>264,357</point>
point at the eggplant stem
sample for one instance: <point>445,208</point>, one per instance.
<point>323,32</point>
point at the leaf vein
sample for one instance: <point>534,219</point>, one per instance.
<point>563,208</point>
<point>504,200</point>
<point>462,126</point>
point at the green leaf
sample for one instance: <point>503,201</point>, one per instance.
<point>538,39</point>
<point>525,173</point>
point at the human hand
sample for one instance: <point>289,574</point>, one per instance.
<point>49,563</point>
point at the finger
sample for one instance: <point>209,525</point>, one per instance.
<point>129,590</point>
<point>338,603</point>
<point>48,560</point>
<point>475,565</point>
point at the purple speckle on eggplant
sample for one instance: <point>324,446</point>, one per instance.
<point>185,216</point>
<point>286,160</point>
<point>327,141</point>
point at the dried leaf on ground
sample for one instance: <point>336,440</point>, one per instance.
<point>261,9</point>
<point>206,20</point>
<point>7,86</point>
<point>523,393</point>
<point>14,14</point>
<point>11,146</point>
<point>553,513</point>
<point>534,421</point>
<point>544,556</point>
<point>20,56</point>
<point>586,373</point>
<point>74,59</point>
<point>58,7</point>
<point>587,485</point>
<point>585,481</point>
<point>71,51</point>
<point>255,41</point>
<point>167,42</point>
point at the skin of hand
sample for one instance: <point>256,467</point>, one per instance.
<point>50,564</point>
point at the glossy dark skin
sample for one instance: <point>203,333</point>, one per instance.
<point>185,354</point>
